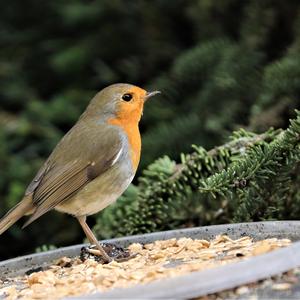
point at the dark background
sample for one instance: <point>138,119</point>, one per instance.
<point>220,65</point>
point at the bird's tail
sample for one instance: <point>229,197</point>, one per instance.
<point>16,213</point>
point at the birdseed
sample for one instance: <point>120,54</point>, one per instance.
<point>153,261</point>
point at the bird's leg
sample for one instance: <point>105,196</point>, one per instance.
<point>91,237</point>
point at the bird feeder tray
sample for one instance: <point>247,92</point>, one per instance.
<point>182,263</point>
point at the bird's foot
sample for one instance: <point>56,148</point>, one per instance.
<point>113,252</point>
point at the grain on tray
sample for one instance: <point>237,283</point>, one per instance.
<point>153,261</point>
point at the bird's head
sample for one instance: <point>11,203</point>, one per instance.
<point>122,101</point>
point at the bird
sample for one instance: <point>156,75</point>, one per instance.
<point>92,165</point>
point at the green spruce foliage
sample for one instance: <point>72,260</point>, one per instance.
<point>250,178</point>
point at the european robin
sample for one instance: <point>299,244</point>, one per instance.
<point>93,163</point>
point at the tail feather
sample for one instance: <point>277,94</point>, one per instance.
<point>16,213</point>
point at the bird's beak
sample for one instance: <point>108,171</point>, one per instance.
<point>151,94</point>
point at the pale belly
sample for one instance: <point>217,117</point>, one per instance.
<point>98,194</point>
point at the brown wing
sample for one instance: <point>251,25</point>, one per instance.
<point>56,182</point>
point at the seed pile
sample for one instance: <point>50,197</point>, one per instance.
<point>161,259</point>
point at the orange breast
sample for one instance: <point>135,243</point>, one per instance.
<point>128,115</point>
<point>134,139</point>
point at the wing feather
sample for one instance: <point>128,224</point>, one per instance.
<point>60,194</point>
<point>58,180</point>
<point>54,181</point>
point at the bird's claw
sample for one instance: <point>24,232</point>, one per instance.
<point>112,253</point>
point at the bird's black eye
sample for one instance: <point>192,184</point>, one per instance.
<point>127,97</point>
